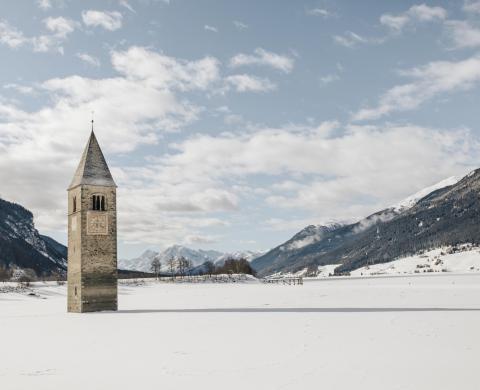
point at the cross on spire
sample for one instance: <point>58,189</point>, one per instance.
<point>93,113</point>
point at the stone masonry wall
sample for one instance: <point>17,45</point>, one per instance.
<point>97,256</point>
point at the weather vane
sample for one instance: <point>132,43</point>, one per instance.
<point>93,113</point>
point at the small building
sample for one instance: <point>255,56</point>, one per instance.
<point>92,234</point>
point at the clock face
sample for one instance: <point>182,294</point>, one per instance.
<point>97,223</point>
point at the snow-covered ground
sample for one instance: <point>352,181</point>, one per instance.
<point>437,260</point>
<point>415,332</point>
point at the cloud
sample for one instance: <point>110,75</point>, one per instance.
<point>472,7</point>
<point>109,20</point>
<point>240,25</point>
<point>126,4</point>
<point>135,106</point>
<point>265,58</point>
<point>361,170</point>
<point>87,58</point>
<point>319,12</point>
<point>350,39</point>
<point>166,72</point>
<point>329,78</point>
<point>60,26</point>
<point>417,13</point>
<point>210,28</point>
<point>247,83</point>
<point>463,34</point>
<point>23,89</point>
<point>44,4</point>
<point>11,36</point>
<point>428,81</point>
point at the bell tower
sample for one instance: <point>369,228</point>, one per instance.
<point>92,234</point>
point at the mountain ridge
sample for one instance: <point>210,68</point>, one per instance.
<point>22,246</point>
<point>431,221</point>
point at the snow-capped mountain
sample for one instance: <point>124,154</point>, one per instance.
<point>21,245</point>
<point>141,263</point>
<point>411,200</point>
<point>442,215</point>
<point>196,256</point>
<point>247,255</point>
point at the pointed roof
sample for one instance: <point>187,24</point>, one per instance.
<point>93,169</point>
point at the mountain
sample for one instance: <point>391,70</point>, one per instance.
<point>196,256</point>
<point>21,246</point>
<point>446,214</point>
<point>143,262</point>
<point>247,255</point>
<point>140,263</point>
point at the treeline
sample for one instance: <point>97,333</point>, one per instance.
<point>184,267</point>
<point>230,266</point>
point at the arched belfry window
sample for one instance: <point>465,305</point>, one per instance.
<point>74,204</point>
<point>98,202</point>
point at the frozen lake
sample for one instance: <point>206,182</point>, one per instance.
<point>417,332</point>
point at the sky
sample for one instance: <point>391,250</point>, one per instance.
<point>231,125</point>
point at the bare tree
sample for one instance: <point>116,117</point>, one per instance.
<point>172,262</point>
<point>155,266</point>
<point>182,265</point>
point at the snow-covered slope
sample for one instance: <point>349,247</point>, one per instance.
<point>21,245</point>
<point>413,199</point>
<point>440,215</point>
<point>140,263</point>
<point>462,259</point>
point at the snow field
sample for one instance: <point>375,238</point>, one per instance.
<point>374,333</point>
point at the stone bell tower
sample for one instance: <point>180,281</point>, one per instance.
<point>92,234</point>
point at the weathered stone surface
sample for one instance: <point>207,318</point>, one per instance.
<point>92,246</point>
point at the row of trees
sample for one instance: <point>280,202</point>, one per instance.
<point>176,266</point>
<point>182,266</point>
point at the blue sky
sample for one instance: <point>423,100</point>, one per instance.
<point>232,125</point>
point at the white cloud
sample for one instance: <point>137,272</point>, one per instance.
<point>395,22</point>
<point>329,78</point>
<point>44,4</point>
<point>264,57</point>
<point>319,12</point>
<point>210,28</point>
<point>23,89</point>
<point>126,4</point>
<point>247,83</point>
<point>163,71</point>
<point>424,13</point>
<point>472,6</point>
<point>60,26</point>
<point>109,20</point>
<point>89,59</point>
<point>11,36</point>
<point>416,13</point>
<point>463,34</point>
<point>337,177</point>
<point>350,39</point>
<point>428,82</point>
<point>240,25</point>
<point>132,108</point>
